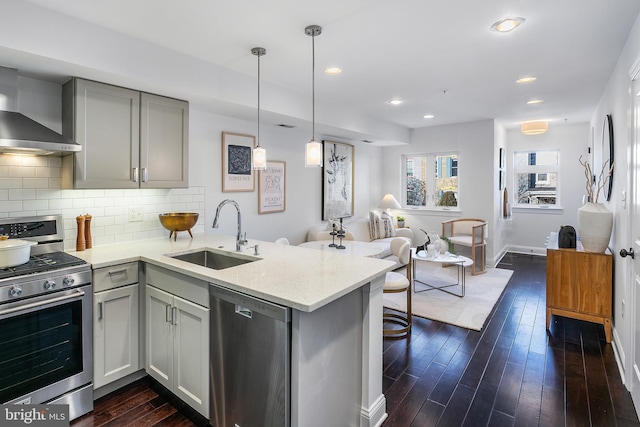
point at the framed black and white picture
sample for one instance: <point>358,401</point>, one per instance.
<point>337,180</point>
<point>237,173</point>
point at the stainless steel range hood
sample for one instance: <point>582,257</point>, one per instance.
<point>20,134</point>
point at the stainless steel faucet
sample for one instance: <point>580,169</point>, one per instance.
<point>240,241</point>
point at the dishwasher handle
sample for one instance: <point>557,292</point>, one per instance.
<point>249,306</point>
<point>244,311</point>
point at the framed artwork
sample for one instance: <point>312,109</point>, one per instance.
<point>272,195</point>
<point>502,159</point>
<point>337,180</point>
<point>237,173</point>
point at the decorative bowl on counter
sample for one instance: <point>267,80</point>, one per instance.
<point>178,221</point>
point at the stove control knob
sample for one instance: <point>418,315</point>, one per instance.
<point>68,281</point>
<point>15,291</point>
<point>49,285</point>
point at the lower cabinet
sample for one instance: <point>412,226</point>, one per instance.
<point>177,346</point>
<point>116,324</point>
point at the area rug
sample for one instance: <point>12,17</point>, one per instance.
<point>481,294</point>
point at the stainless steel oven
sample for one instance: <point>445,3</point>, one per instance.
<point>46,351</point>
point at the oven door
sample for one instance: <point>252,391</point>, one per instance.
<point>46,349</point>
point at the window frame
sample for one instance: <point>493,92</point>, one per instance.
<point>538,170</point>
<point>431,170</point>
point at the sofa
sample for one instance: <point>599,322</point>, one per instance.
<point>359,229</point>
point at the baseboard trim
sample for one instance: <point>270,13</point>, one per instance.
<point>375,415</point>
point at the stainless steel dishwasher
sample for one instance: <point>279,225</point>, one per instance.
<point>250,365</point>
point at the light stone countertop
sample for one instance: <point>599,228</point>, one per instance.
<point>300,278</point>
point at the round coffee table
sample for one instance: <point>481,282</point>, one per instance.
<point>445,260</point>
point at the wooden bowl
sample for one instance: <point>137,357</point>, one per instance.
<point>178,221</point>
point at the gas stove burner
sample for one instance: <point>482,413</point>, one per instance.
<point>43,262</point>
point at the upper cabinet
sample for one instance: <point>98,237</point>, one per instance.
<point>129,139</point>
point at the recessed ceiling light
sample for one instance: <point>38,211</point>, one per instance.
<point>535,101</point>
<point>396,101</point>
<point>525,79</point>
<point>429,116</point>
<point>333,70</point>
<point>507,24</point>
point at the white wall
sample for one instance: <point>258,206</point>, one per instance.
<point>31,185</point>
<point>303,185</point>
<point>528,228</point>
<point>477,177</point>
<point>616,100</point>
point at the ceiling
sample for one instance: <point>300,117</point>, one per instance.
<point>439,57</point>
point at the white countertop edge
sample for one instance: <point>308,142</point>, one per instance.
<point>306,290</point>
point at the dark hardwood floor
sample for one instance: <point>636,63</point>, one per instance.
<point>512,373</point>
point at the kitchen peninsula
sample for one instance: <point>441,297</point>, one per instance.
<point>336,316</point>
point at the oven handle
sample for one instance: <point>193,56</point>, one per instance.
<point>78,294</point>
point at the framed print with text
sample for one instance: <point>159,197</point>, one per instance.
<point>237,173</point>
<point>272,195</point>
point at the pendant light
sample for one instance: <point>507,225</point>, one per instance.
<point>313,148</point>
<point>259,156</point>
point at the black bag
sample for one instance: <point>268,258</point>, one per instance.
<point>567,237</point>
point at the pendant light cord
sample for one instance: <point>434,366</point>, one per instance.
<point>313,87</point>
<point>259,100</point>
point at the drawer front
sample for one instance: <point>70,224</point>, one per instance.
<point>115,276</point>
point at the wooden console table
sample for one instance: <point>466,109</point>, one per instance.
<point>579,284</point>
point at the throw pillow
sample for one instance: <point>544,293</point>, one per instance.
<point>386,226</point>
<point>374,225</point>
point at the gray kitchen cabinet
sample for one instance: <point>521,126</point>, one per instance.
<point>177,337</point>
<point>129,139</point>
<point>116,323</point>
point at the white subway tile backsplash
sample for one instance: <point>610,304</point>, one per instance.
<point>60,203</point>
<point>35,205</point>
<point>11,182</point>
<point>12,206</point>
<point>22,194</point>
<point>35,183</point>
<point>22,171</point>
<point>32,186</point>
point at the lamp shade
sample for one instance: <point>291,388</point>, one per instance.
<point>534,128</point>
<point>389,202</point>
<point>259,158</point>
<point>313,155</point>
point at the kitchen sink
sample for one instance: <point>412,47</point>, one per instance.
<point>214,260</point>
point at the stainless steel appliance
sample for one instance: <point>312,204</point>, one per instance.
<point>46,306</point>
<point>250,361</point>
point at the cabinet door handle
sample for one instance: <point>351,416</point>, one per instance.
<point>168,313</point>
<point>123,271</point>
<point>135,174</point>
<point>99,311</point>
<point>174,316</point>
<point>145,174</point>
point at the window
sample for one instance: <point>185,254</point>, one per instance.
<point>536,174</point>
<point>431,180</point>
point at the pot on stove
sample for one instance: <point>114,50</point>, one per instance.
<point>14,252</point>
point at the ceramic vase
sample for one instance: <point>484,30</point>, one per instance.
<point>595,223</point>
